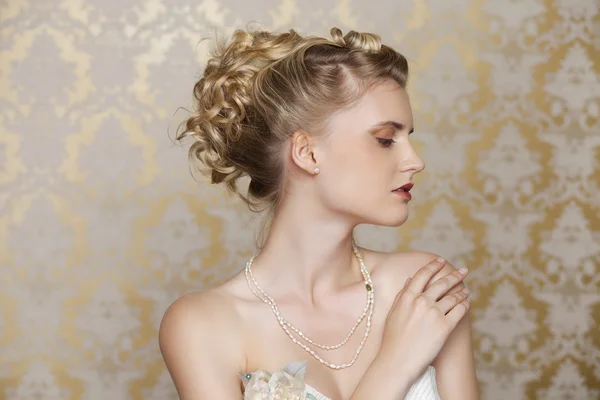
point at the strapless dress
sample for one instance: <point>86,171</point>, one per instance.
<point>288,383</point>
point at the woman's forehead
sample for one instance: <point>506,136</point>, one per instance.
<point>385,105</point>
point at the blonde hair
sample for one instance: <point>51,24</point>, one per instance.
<point>259,88</point>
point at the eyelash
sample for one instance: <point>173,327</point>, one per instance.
<point>386,143</point>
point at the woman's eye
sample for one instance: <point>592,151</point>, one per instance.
<point>385,142</point>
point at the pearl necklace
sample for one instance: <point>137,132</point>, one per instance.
<point>367,312</point>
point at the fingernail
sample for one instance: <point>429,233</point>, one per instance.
<point>440,260</point>
<point>463,271</point>
<point>466,291</point>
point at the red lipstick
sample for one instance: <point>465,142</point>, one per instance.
<point>404,190</point>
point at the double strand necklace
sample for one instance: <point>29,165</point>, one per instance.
<point>288,327</point>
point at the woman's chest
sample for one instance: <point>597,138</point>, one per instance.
<point>272,345</point>
<point>336,335</point>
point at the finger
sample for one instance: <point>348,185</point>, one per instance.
<point>424,275</point>
<point>448,302</point>
<point>440,287</point>
<point>458,312</point>
<point>400,293</point>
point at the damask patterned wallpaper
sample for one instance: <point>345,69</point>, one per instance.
<point>102,227</point>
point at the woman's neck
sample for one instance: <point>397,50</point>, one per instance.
<point>307,254</point>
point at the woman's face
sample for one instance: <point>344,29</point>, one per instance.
<point>367,156</point>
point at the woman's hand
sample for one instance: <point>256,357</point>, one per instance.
<point>421,319</point>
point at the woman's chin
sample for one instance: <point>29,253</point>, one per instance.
<point>390,220</point>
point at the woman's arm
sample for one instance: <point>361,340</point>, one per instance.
<point>381,382</point>
<point>201,349</point>
<point>455,364</point>
<point>424,315</point>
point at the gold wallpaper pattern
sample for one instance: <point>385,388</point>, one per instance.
<point>102,227</point>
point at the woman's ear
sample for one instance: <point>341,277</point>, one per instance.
<point>303,152</point>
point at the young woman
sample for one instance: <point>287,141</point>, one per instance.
<point>321,129</point>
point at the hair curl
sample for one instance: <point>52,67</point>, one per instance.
<point>258,88</point>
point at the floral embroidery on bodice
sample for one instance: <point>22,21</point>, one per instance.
<point>288,384</point>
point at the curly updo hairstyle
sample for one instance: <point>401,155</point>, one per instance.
<point>258,88</point>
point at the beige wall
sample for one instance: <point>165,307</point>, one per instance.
<point>102,227</point>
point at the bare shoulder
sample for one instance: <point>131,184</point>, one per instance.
<point>200,341</point>
<point>205,313</point>
<point>394,268</point>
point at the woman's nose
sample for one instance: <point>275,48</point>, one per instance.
<point>412,162</point>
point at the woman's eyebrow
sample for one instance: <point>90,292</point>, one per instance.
<point>396,125</point>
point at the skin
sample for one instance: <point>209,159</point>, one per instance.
<point>307,266</point>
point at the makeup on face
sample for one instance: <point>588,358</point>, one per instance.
<point>404,191</point>
<point>387,133</point>
<point>380,130</point>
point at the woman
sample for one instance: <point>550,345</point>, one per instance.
<point>321,127</point>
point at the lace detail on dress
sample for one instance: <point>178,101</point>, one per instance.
<point>288,383</point>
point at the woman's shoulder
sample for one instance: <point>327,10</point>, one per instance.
<point>392,269</point>
<point>201,338</point>
<point>208,318</point>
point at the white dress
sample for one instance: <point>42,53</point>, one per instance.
<point>288,383</point>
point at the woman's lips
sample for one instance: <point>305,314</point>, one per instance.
<point>404,190</point>
<point>403,193</point>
